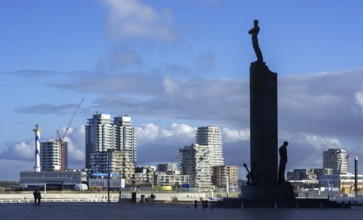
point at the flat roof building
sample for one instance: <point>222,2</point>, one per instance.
<point>225,176</point>
<point>51,156</point>
<point>62,179</point>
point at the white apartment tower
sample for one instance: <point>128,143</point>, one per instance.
<point>50,155</point>
<point>211,136</point>
<point>99,135</point>
<point>195,161</point>
<point>335,160</point>
<point>111,143</point>
<point>125,138</point>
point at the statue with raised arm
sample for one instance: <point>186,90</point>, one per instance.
<point>254,32</point>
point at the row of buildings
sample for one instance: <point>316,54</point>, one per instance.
<point>111,154</point>
<point>334,174</point>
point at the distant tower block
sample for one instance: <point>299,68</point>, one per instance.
<point>37,148</point>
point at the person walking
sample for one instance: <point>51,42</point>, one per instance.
<point>35,194</point>
<point>39,197</point>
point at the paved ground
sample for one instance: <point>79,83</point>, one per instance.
<point>126,211</point>
<point>104,211</point>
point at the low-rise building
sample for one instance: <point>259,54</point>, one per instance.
<point>304,174</point>
<point>58,179</point>
<point>167,167</point>
<point>343,182</point>
<point>102,183</point>
<point>144,176</point>
<point>223,175</point>
<point>174,179</point>
<point>113,161</point>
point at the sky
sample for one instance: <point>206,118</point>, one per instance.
<point>177,65</point>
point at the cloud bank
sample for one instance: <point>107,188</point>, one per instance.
<point>316,112</point>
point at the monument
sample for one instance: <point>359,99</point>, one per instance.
<point>263,176</point>
<point>266,186</point>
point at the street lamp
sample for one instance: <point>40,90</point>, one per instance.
<point>109,152</point>
<point>120,193</point>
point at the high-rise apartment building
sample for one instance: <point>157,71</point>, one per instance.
<point>111,144</point>
<point>125,138</point>
<point>99,135</point>
<point>335,160</point>
<point>50,155</point>
<point>195,161</point>
<point>211,136</point>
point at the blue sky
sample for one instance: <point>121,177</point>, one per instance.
<point>175,65</point>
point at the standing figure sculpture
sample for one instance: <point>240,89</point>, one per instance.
<point>283,161</point>
<point>254,32</point>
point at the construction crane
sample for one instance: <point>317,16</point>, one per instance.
<point>61,138</point>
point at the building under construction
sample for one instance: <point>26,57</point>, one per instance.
<point>51,155</point>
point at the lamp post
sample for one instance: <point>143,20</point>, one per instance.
<point>120,192</point>
<point>356,176</point>
<point>109,151</point>
<point>227,185</point>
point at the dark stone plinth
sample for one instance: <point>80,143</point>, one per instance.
<point>263,125</point>
<point>273,192</point>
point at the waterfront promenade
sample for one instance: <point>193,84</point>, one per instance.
<point>149,211</point>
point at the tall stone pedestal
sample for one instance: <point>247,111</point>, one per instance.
<point>263,124</point>
<point>264,146</point>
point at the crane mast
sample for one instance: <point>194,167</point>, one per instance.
<point>61,138</point>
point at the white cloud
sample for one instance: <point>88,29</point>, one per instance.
<point>233,135</point>
<point>321,143</point>
<point>151,132</point>
<point>76,145</point>
<point>359,99</point>
<point>23,150</point>
<point>134,19</point>
<point>170,87</point>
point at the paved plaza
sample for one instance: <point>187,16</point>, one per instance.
<point>138,211</point>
